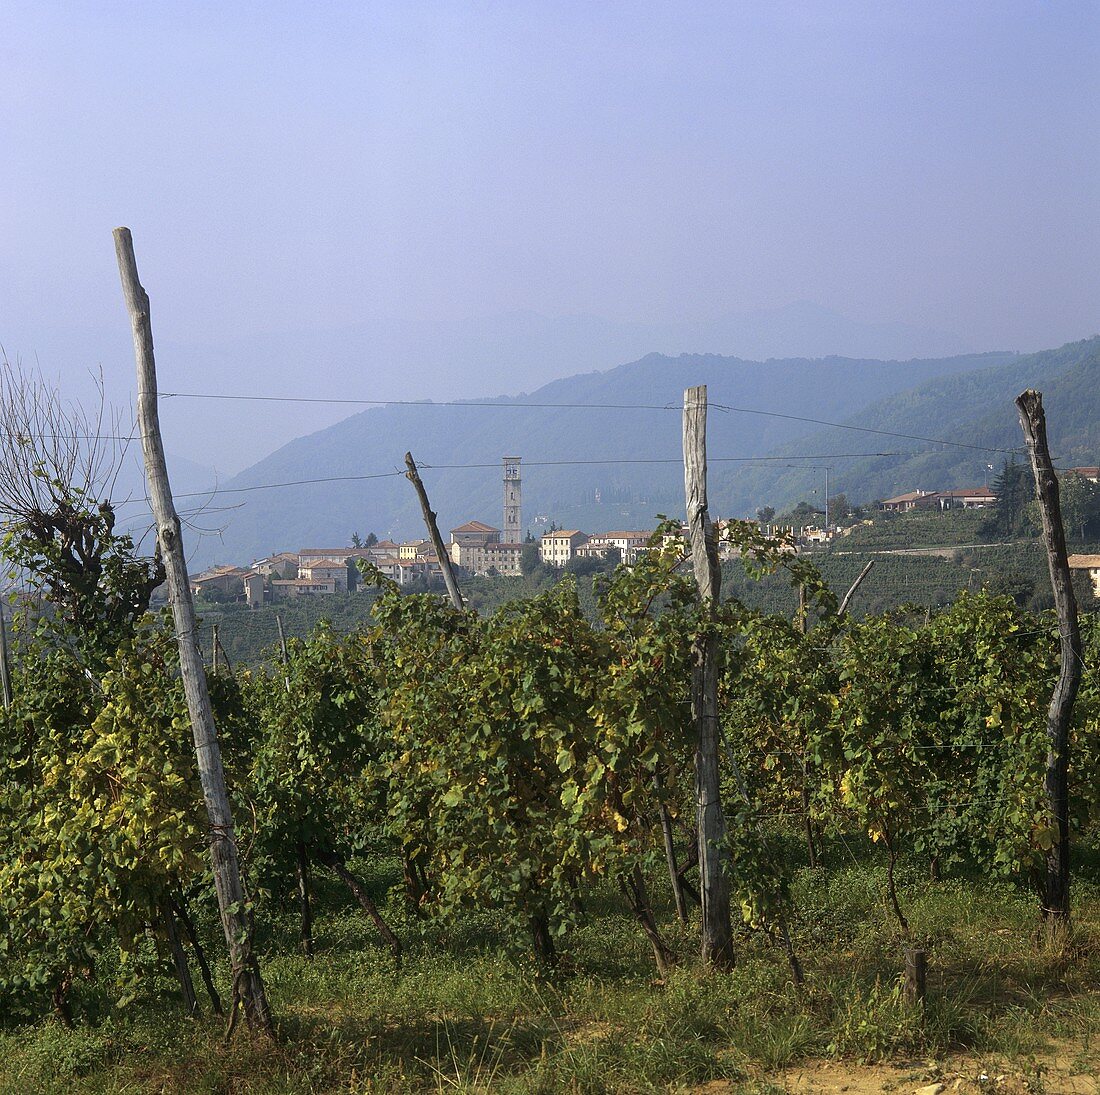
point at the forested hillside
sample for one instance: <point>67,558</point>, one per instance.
<point>577,436</point>
<point>974,408</point>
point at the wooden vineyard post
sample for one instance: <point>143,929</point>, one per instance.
<point>248,987</point>
<point>714,882</point>
<point>1054,886</point>
<point>433,531</point>
<point>5,664</point>
<point>224,656</point>
<point>852,589</point>
<point>283,652</point>
<point>916,975</point>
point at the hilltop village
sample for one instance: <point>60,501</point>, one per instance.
<point>475,548</point>
<point>478,549</point>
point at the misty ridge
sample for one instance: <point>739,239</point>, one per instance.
<point>574,454</point>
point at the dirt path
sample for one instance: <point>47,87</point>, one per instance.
<point>1071,1071</point>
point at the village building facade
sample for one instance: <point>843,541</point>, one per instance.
<point>557,548</point>
<point>222,581</point>
<point>1090,564</point>
<point>599,545</point>
<point>328,570</point>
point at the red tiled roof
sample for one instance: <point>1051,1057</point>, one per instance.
<point>221,572</point>
<point>475,526</point>
<point>909,496</point>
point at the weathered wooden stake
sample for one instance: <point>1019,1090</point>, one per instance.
<point>5,664</point>
<point>248,986</point>
<point>433,531</point>
<point>1054,886</point>
<point>224,656</point>
<point>852,590</point>
<point>915,987</point>
<point>283,651</point>
<point>714,883</point>
<point>214,651</point>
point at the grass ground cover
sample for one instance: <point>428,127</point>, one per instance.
<point>464,1012</point>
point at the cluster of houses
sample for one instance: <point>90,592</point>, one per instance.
<point>314,572</point>
<point>475,549</point>
<point>963,498</point>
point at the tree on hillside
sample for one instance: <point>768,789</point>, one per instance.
<point>1014,490</point>
<point>802,514</point>
<point>839,508</point>
<point>529,559</point>
<point>581,566</point>
<point>1080,500</point>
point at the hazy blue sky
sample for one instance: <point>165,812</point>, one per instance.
<point>304,167</point>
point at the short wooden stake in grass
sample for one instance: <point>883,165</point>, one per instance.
<point>248,987</point>
<point>714,882</point>
<point>916,975</point>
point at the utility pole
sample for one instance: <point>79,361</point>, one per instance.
<point>248,986</point>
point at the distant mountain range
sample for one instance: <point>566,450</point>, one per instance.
<point>602,450</point>
<point>383,357</point>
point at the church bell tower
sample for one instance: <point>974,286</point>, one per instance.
<point>513,523</point>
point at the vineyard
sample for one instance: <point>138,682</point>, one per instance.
<point>928,582</point>
<point>650,837</point>
<point>463,832</point>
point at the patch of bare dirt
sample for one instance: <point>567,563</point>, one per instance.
<point>1068,1071</point>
